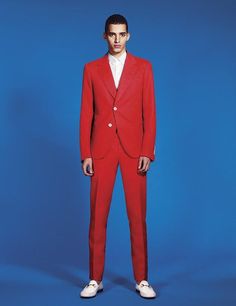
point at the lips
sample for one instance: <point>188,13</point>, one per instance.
<point>117,46</point>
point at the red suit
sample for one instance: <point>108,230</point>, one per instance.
<point>117,126</point>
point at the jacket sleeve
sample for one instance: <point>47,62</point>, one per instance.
<point>86,114</point>
<point>149,114</point>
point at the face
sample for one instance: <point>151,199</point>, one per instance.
<point>116,38</point>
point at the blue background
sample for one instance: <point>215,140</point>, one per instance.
<point>44,213</point>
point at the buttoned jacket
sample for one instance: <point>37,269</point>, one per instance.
<point>129,110</point>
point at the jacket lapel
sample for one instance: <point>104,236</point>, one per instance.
<point>127,75</point>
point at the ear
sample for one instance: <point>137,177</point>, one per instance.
<point>128,36</point>
<point>104,35</point>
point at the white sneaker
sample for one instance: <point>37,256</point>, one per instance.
<point>91,289</point>
<point>145,290</point>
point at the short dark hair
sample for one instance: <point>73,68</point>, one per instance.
<point>115,19</point>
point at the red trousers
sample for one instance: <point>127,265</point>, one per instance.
<point>101,189</point>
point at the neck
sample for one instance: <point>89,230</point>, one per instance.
<point>118,54</point>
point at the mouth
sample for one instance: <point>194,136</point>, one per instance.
<point>117,46</point>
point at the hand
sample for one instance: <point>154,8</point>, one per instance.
<point>88,163</point>
<point>144,163</point>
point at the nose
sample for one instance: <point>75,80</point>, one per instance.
<point>117,39</point>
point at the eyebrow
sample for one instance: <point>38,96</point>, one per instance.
<point>117,33</point>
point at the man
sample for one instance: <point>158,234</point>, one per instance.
<point>117,128</point>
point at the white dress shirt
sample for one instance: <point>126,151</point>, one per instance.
<point>117,65</point>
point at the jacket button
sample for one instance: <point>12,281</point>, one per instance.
<point>115,108</point>
<point>110,124</point>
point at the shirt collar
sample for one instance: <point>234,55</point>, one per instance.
<point>115,60</point>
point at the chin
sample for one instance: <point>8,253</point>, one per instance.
<point>117,49</point>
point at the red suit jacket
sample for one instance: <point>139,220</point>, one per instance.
<point>129,110</point>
